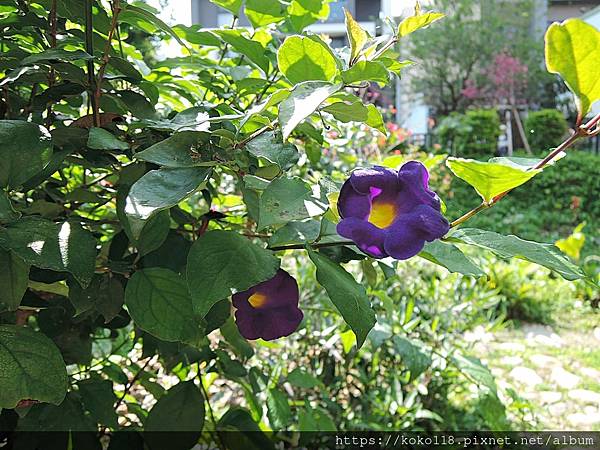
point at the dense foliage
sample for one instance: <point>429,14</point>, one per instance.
<point>545,129</point>
<point>137,200</point>
<point>473,134</point>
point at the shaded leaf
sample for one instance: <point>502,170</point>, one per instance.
<point>218,265</point>
<point>287,199</point>
<point>62,246</point>
<point>14,276</point>
<point>31,367</point>
<point>304,100</point>
<point>270,147</point>
<point>101,139</point>
<point>546,255</point>
<point>25,150</point>
<point>450,257</point>
<point>159,303</point>
<point>347,295</point>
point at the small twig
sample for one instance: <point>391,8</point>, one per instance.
<point>211,413</point>
<point>314,245</point>
<point>582,131</point>
<point>132,382</point>
<point>51,74</point>
<point>254,135</point>
<point>116,9</point>
<point>89,48</point>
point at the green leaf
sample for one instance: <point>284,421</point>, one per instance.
<point>126,68</point>
<point>375,119</point>
<point>546,255</point>
<point>270,147</point>
<point>296,233</point>
<point>305,98</point>
<point>264,12</point>
<point>61,247</point>
<point>302,13</point>
<point>302,379</point>
<point>356,36</point>
<point>233,6</point>
<point>253,50</point>
<point>153,233</point>
<point>414,356</point>
<point>14,276</point>
<point>25,149</point>
<point>489,179</point>
<point>473,369</point>
<point>55,55</point>
<point>179,414</point>
<point>104,295</point>
<point>159,303</point>
<point>345,111</point>
<point>161,189</point>
<point>347,295</point>
<point>366,71</point>
<point>246,434</point>
<point>218,267</point>
<point>573,52</point>
<point>178,151</point>
<point>7,212</point>
<point>231,334</point>
<point>287,199</point>
<point>418,21</point>
<point>449,256</point>
<point>31,367</point>
<point>99,398</point>
<point>101,139</point>
<point>140,13</point>
<point>278,409</point>
<point>302,58</point>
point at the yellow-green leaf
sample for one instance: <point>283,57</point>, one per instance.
<point>417,21</point>
<point>573,52</point>
<point>357,36</point>
<point>489,179</point>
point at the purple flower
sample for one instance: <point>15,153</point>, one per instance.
<point>389,212</point>
<point>269,310</point>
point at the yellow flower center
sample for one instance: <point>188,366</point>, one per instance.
<point>382,214</point>
<point>257,300</point>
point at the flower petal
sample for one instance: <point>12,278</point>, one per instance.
<point>268,324</point>
<point>375,181</point>
<point>414,182</point>
<point>365,235</point>
<point>353,204</point>
<point>407,236</point>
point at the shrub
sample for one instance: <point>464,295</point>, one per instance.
<point>546,129</point>
<point>471,135</point>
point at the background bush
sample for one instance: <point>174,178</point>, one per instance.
<point>545,129</point>
<point>470,135</point>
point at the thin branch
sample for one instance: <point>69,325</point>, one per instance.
<point>582,131</point>
<point>314,245</point>
<point>89,48</point>
<point>51,74</point>
<point>210,410</point>
<point>254,135</point>
<point>116,9</point>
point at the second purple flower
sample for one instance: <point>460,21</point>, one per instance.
<point>388,212</point>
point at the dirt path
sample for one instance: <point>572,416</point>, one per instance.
<point>557,374</point>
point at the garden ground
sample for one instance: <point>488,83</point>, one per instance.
<point>554,369</point>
